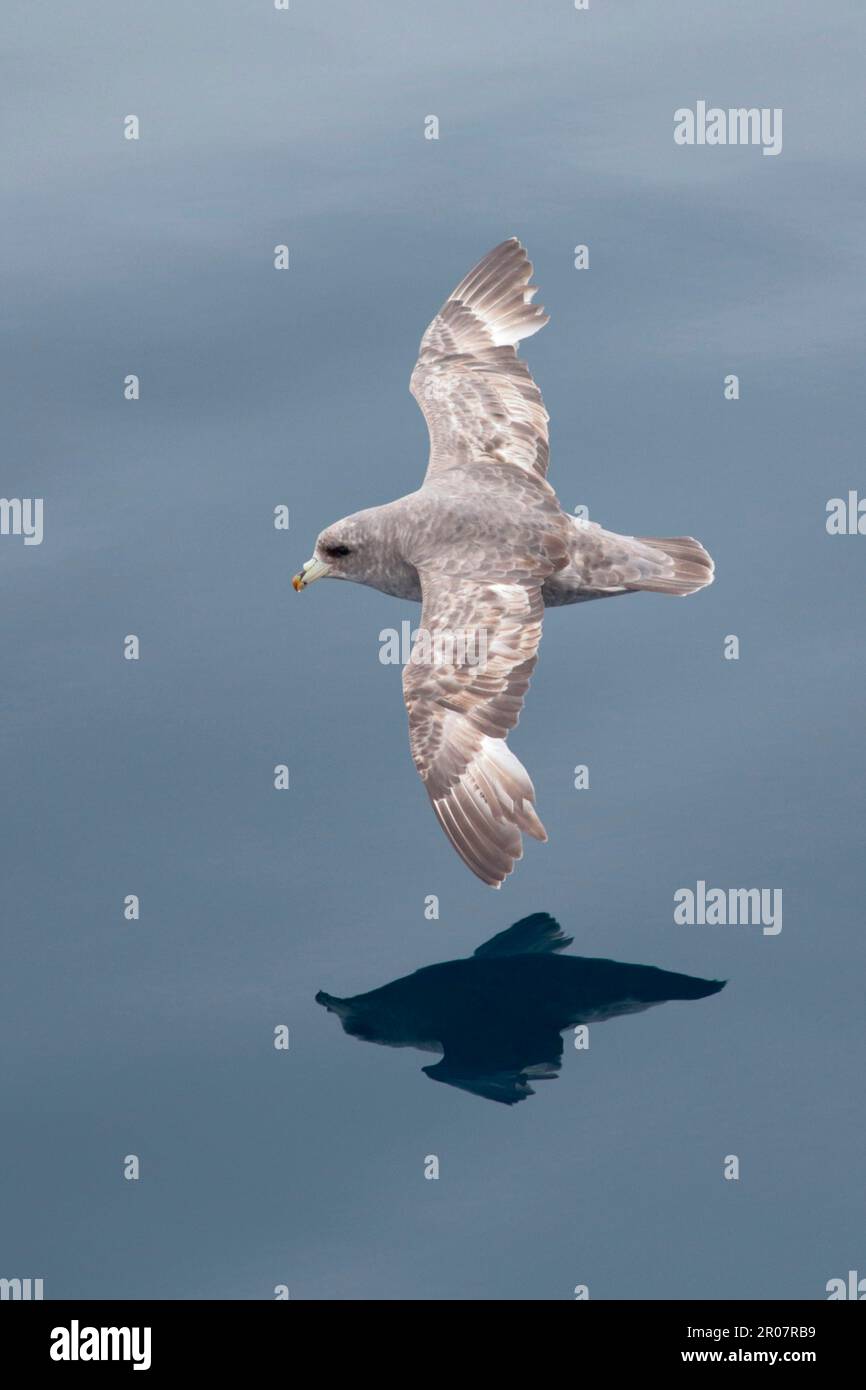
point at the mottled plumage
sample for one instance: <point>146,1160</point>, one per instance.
<point>485,546</point>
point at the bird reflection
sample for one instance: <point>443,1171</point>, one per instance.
<point>498,1015</point>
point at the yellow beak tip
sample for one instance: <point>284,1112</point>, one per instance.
<point>297,583</point>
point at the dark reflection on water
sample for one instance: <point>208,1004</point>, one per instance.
<point>497,1016</point>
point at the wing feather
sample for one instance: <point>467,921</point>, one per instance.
<point>478,398</point>
<point>463,697</point>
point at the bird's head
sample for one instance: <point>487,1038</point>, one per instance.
<point>339,554</point>
<point>351,1014</point>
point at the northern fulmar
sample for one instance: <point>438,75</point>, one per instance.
<point>485,546</point>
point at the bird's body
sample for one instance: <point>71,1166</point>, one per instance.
<point>398,537</point>
<point>485,547</point>
<point>486,996</point>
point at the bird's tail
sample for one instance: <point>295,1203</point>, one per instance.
<point>686,566</point>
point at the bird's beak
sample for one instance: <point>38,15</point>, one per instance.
<point>333,1004</point>
<point>313,569</point>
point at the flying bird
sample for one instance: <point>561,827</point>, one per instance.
<point>497,1016</point>
<point>485,547</point>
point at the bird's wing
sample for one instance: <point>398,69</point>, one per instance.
<point>478,398</point>
<point>537,935</point>
<point>501,1069</point>
<point>464,685</point>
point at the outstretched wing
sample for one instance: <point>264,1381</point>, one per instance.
<point>464,685</point>
<point>537,935</point>
<point>478,398</point>
<point>501,1069</point>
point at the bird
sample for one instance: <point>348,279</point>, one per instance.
<point>485,546</point>
<point>497,1015</point>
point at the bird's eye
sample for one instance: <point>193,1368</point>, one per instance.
<point>337,550</point>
